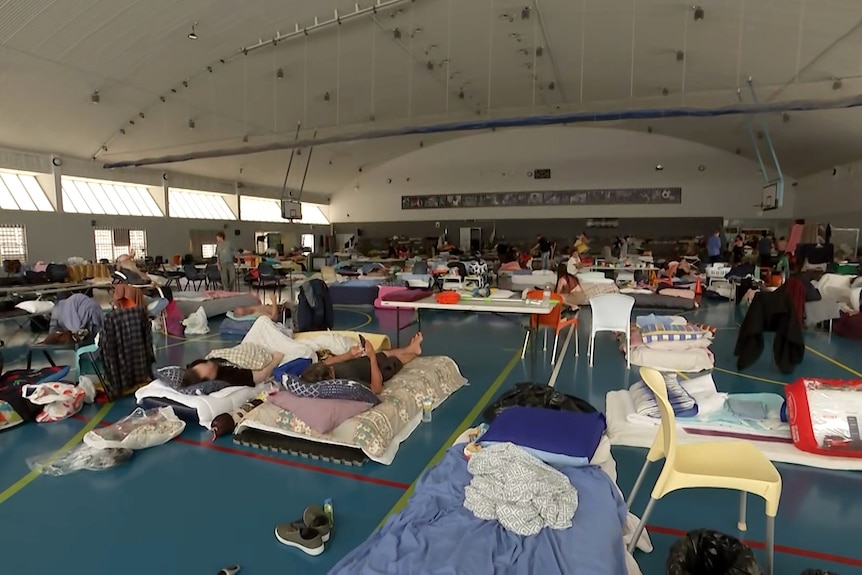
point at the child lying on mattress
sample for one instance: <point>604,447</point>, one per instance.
<point>364,365</point>
<point>212,370</point>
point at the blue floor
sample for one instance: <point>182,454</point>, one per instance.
<point>193,506</point>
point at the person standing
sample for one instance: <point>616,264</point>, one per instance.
<point>544,248</point>
<point>225,254</point>
<point>713,247</point>
<point>764,250</point>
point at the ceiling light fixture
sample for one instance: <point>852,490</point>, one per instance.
<point>539,51</point>
<point>680,55</point>
<point>698,13</point>
<point>504,16</point>
<point>665,91</point>
<point>837,84</point>
<point>326,97</point>
<point>95,98</point>
<point>430,65</point>
<point>785,117</point>
<point>551,85</point>
<point>525,13</point>
<point>191,124</point>
<point>461,94</point>
<point>193,35</point>
<point>279,74</point>
<point>396,33</point>
<point>659,168</point>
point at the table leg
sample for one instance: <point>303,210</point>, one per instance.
<point>418,319</point>
<point>397,326</point>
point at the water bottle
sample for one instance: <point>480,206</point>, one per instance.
<point>546,295</point>
<point>426,410</point>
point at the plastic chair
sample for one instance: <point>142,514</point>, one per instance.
<point>213,275</point>
<point>735,464</point>
<point>328,274</point>
<point>611,312</point>
<point>193,277</point>
<point>420,268</point>
<point>267,278</point>
<point>553,320</point>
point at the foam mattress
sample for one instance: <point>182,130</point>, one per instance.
<point>206,406</point>
<point>189,302</point>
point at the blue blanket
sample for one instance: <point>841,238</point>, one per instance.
<point>435,534</point>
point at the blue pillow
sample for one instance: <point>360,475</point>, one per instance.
<point>330,389</point>
<point>553,431</point>
<point>173,376</point>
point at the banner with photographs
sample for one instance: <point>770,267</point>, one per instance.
<point>618,197</point>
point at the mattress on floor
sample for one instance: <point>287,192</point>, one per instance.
<point>378,431</point>
<point>354,292</point>
<point>659,301</point>
<point>421,533</point>
<point>207,406</point>
<point>618,408</point>
<point>189,302</point>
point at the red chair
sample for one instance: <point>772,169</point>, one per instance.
<point>553,320</point>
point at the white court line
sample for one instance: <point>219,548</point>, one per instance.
<point>553,381</point>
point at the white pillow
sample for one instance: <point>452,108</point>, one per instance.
<point>36,306</point>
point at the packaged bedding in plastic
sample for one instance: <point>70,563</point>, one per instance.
<point>138,430</point>
<point>706,552</point>
<point>82,457</point>
<point>825,415</point>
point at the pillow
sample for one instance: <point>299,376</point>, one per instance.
<point>321,415</point>
<point>687,332</point>
<point>245,355</point>
<point>562,432</point>
<point>36,306</point>
<point>173,377</point>
<point>330,389</point>
<point>249,317</point>
<point>592,289</point>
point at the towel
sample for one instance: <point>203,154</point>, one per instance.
<point>700,389</point>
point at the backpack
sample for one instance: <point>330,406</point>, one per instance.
<point>314,310</point>
<point>57,273</point>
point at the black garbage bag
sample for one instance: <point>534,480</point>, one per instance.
<point>818,572</point>
<point>706,552</point>
<point>529,394</point>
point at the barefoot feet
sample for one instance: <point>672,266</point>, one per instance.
<point>416,344</point>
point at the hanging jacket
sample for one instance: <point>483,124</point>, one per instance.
<point>776,312</point>
<point>126,350</point>
<point>314,310</point>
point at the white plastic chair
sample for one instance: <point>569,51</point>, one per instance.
<point>732,464</point>
<point>611,312</point>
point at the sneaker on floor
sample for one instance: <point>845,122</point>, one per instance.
<point>314,517</point>
<point>299,535</point>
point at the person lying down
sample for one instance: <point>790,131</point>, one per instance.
<point>270,310</point>
<point>213,370</point>
<point>364,365</point>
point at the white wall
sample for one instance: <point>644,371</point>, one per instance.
<point>58,236</point>
<point>579,158</point>
<point>831,198</point>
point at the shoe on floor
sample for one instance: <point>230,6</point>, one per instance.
<point>314,517</point>
<point>299,535</point>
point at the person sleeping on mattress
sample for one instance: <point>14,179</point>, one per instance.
<point>270,310</point>
<point>212,370</point>
<point>362,364</point>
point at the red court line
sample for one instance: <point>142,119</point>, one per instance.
<point>778,548</point>
<point>278,460</point>
<point>816,555</point>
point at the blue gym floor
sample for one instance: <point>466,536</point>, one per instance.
<point>193,506</point>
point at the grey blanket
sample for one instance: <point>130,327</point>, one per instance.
<point>522,493</point>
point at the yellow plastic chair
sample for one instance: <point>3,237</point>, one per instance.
<point>736,464</point>
<point>328,274</point>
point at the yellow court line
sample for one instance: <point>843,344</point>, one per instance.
<point>463,426</point>
<point>746,376</point>
<point>27,479</point>
<point>833,361</point>
<point>361,325</point>
<point>189,340</point>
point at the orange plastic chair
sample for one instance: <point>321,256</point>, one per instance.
<point>553,320</point>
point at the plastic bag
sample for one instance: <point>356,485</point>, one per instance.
<point>82,457</point>
<point>197,323</point>
<point>706,552</point>
<point>138,430</point>
<point>60,400</point>
<point>537,395</point>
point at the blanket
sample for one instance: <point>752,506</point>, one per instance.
<point>522,493</point>
<point>435,529</point>
<point>246,355</point>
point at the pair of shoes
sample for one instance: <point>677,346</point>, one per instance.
<point>308,534</point>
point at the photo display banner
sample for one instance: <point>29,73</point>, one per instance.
<point>619,197</point>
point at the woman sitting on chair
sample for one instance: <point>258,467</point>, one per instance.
<point>566,282</point>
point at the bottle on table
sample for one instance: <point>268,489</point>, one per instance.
<point>546,295</point>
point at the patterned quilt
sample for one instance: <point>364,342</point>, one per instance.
<point>374,431</point>
<point>246,355</point>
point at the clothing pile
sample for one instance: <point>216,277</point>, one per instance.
<point>780,311</point>
<point>671,344</point>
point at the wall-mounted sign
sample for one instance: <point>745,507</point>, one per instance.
<point>543,174</point>
<point>609,197</point>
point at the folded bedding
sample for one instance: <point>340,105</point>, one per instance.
<point>690,360</point>
<point>208,407</point>
<point>652,319</point>
<point>436,529</point>
<point>646,404</point>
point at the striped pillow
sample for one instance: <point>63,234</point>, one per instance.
<point>687,332</point>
